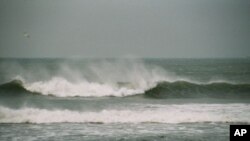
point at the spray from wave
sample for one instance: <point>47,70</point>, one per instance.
<point>106,78</point>
<point>117,78</point>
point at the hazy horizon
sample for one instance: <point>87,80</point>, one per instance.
<point>121,29</point>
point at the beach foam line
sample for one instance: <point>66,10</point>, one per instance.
<point>189,113</point>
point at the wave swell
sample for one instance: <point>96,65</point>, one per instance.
<point>186,89</point>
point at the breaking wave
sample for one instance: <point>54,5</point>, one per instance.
<point>95,79</point>
<point>189,113</point>
<point>60,87</point>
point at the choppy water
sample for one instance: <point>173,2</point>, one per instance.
<point>123,99</point>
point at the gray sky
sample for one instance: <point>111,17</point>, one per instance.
<point>114,28</point>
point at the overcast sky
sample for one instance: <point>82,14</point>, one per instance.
<point>119,28</point>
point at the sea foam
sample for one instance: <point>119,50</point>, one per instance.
<point>188,113</point>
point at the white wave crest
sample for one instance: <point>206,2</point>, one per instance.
<point>123,78</point>
<point>61,87</point>
<point>118,78</point>
<point>167,114</point>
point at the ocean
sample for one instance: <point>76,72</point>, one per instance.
<point>123,99</point>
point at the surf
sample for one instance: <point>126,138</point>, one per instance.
<point>186,113</point>
<point>111,78</point>
<point>60,87</point>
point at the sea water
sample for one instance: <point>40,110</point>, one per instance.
<point>123,99</point>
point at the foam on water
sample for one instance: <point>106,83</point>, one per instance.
<point>60,87</point>
<point>188,113</point>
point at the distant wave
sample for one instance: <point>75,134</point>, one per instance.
<point>189,113</point>
<point>60,87</point>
